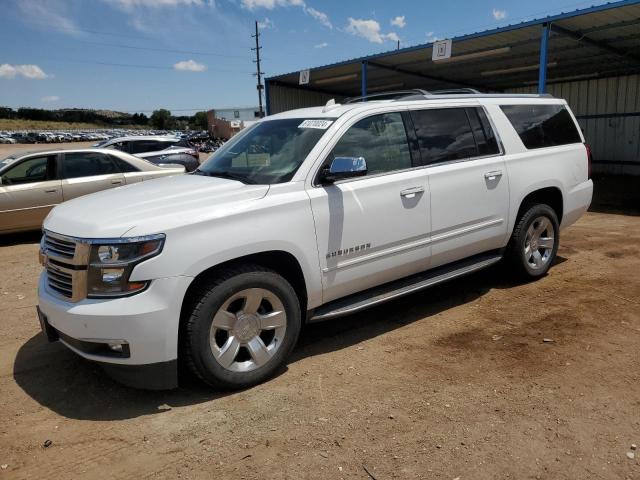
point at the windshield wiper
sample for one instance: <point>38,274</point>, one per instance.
<point>225,174</point>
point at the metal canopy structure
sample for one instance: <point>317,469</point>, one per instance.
<point>593,43</point>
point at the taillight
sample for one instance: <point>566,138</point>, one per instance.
<point>589,159</point>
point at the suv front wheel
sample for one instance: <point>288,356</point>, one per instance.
<point>534,242</point>
<point>241,328</point>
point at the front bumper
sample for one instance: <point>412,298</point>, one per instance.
<point>147,323</point>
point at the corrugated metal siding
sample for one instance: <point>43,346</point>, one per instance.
<point>614,138</point>
<point>283,98</point>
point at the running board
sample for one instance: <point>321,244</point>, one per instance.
<point>377,295</point>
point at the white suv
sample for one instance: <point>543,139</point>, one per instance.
<point>308,215</point>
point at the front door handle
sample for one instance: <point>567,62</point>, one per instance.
<point>116,182</point>
<point>411,192</point>
<point>51,190</point>
<point>493,175</point>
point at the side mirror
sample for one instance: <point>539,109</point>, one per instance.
<point>344,167</point>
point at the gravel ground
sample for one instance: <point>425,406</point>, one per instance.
<point>454,382</point>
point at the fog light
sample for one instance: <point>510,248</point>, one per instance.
<point>116,347</point>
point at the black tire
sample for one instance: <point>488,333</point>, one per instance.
<point>208,299</point>
<point>517,255</point>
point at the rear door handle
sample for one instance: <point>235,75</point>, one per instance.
<point>493,175</point>
<point>116,182</point>
<point>51,190</point>
<point>411,192</point>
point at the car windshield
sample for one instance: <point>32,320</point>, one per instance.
<point>268,152</point>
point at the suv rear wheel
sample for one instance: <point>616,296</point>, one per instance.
<point>241,328</point>
<point>534,242</point>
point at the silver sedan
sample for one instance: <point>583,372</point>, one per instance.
<point>31,184</point>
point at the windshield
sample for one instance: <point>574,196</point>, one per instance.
<point>267,152</point>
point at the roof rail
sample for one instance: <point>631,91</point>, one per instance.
<point>390,95</point>
<point>454,91</point>
<point>420,94</point>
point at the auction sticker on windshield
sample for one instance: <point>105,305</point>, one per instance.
<point>319,124</point>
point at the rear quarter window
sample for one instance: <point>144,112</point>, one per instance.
<point>542,126</point>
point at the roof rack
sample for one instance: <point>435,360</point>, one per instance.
<point>420,94</point>
<point>390,95</point>
<point>455,91</point>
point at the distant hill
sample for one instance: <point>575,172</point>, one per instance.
<point>75,115</point>
<point>100,113</point>
<point>18,124</point>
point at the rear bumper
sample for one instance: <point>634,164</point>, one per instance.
<point>146,325</point>
<point>576,203</point>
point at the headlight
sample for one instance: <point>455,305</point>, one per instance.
<point>112,261</point>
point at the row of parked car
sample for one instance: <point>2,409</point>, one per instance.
<point>10,137</point>
<point>32,183</point>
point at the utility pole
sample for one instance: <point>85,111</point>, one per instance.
<point>259,72</point>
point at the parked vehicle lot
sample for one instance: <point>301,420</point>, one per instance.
<point>456,381</point>
<point>13,148</point>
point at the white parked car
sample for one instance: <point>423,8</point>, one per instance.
<point>305,216</point>
<point>157,149</point>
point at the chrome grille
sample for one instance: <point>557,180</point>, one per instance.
<point>60,281</point>
<point>65,260</point>
<point>58,246</point>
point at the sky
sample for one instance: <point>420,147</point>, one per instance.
<point>189,55</point>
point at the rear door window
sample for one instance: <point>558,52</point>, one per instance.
<point>87,164</point>
<point>444,134</point>
<point>542,126</point>
<point>143,146</point>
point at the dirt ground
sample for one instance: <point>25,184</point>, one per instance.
<point>453,382</point>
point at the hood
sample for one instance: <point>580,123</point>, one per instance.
<point>153,206</point>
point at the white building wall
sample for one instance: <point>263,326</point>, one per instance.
<point>237,113</point>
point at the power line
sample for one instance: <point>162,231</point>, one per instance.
<point>75,29</point>
<point>167,50</point>
<point>130,65</point>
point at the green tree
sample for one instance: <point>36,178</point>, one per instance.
<point>139,119</point>
<point>200,121</point>
<point>160,119</point>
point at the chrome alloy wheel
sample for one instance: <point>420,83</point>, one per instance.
<point>248,329</point>
<point>539,243</point>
